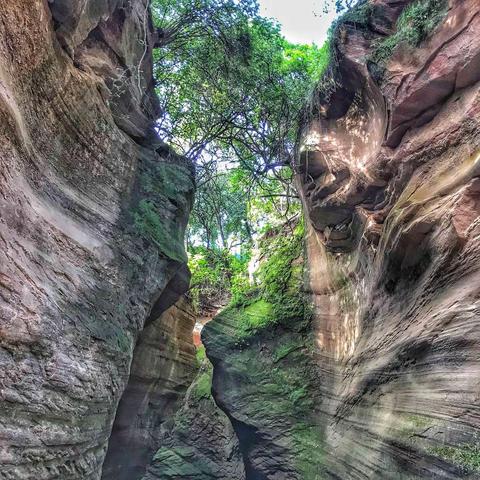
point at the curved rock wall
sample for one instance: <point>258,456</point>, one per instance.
<point>383,382</point>
<point>163,368</point>
<point>88,247</point>
<point>268,386</point>
<point>390,183</point>
<point>201,443</point>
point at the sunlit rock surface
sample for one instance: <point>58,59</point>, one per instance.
<point>388,171</point>
<point>390,185</point>
<point>80,267</point>
<point>383,383</point>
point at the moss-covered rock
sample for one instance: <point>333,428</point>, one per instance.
<point>164,189</point>
<point>414,25</point>
<point>201,443</point>
<point>265,377</point>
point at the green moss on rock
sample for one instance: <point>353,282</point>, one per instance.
<point>358,17</point>
<point>281,396</point>
<point>466,456</point>
<point>151,225</point>
<point>414,25</point>
<point>286,348</point>
<point>310,451</point>
<point>269,374</point>
<point>203,385</point>
<point>410,428</point>
<point>181,462</point>
<point>164,193</point>
<point>200,354</point>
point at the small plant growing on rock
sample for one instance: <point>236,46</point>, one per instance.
<point>414,25</point>
<point>466,456</point>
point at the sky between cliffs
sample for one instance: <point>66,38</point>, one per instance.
<point>303,21</point>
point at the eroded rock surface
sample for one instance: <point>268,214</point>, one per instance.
<point>201,443</point>
<point>389,173</point>
<point>88,246</point>
<point>266,377</point>
<point>267,385</point>
<point>380,383</point>
<point>391,189</point>
<point>163,368</point>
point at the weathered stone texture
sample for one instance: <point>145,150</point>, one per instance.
<point>201,443</point>
<point>78,276</point>
<point>163,368</point>
<point>392,192</point>
<point>389,175</point>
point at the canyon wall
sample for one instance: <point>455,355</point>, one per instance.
<point>389,168</point>
<point>377,379</point>
<point>267,375</point>
<point>201,443</point>
<point>382,382</point>
<point>92,215</point>
<point>162,369</point>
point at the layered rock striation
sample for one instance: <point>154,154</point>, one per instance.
<point>92,214</point>
<point>388,169</point>
<point>162,369</point>
<point>382,383</point>
<point>378,379</point>
<point>201,443</point>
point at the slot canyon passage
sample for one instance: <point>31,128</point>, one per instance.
<point>359,355</point>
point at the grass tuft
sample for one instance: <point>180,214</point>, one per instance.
<point>203,386</point>
<point>466,456</point>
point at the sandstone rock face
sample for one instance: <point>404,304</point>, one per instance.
<point>390,185</point>
<point>383,382</point>
<point>90,251</point>
<point>268,386</point>
<point>201,444</point>
<point>163,368</point>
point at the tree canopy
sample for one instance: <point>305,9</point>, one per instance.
<point>232,89</point>
<point>232,86</point>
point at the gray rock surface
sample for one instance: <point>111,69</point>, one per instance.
<point>201,443</point>
<point>82,261</point>
<point>163,368</point>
